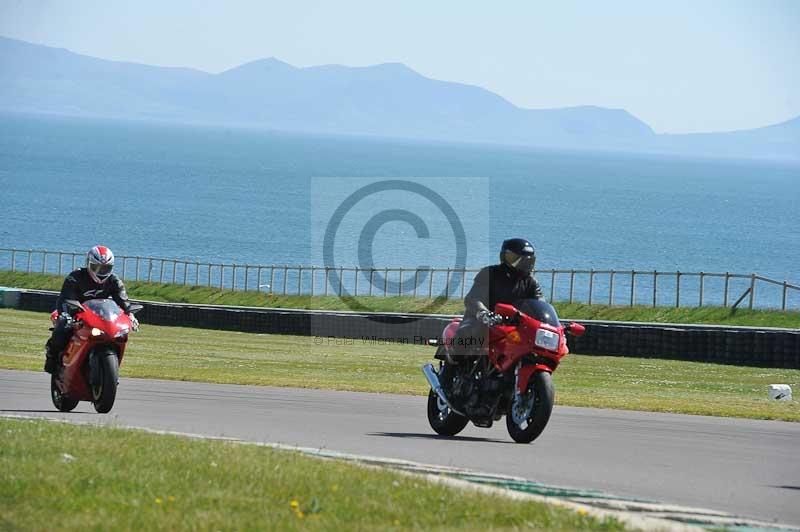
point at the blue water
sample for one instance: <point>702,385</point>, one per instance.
<point>247,196</point>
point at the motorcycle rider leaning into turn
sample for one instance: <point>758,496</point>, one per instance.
<point>500,283</point>
<point>94,281</point>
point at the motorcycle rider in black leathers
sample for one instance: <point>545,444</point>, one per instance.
<point>94,281</point>
<point>500,283</point>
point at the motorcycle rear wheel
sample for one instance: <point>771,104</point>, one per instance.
<point>60,401</point>
<point>536,418</point>
<point>105,392</point>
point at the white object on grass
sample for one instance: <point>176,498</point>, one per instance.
<point>780,392</point>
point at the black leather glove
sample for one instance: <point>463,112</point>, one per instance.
<point>67,319</point>
<point>489,318</point>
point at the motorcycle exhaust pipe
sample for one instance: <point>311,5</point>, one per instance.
<point>436,386</point>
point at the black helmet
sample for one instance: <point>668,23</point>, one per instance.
<point>518,254</point>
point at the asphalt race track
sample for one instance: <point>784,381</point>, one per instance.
<point>745,467</point>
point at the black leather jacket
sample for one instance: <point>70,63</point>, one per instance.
<point>499,284</point>
<point>80,286</point>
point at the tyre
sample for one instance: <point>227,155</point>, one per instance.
<point>60,401</point>
<point>105,390</point>
<point>529,415</point>
<point>441,418</point>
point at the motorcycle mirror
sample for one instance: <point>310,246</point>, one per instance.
<point>73,304</point>
<point>134,308</point>
<point>576,329</point>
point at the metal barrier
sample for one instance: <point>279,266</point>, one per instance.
<point>607,287</point>
<point>762,347</point>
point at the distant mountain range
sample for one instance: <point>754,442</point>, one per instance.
<point>387,100</point>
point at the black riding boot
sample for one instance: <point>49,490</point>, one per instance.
<point>51,360</point>
<point>62,331</point>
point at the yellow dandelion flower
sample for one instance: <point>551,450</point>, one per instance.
<point>396,522</point>
<point>171,498</point>
<point>582,511</point>
<point>158,500</point>
<point>294,503</point>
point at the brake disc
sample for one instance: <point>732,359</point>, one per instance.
<point>522,408</point>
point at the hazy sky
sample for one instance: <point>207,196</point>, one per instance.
<point>681,66</point>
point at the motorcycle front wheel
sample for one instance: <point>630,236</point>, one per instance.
<point>60,401</point>
<point>529,414</point>
<point>442,419</point>
<point>105,390</point>
<point>440,416</point>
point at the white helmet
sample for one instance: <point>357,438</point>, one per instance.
<point>99,262</point>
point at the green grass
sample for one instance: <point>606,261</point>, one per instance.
<point>68,477</point>
<point>205,295</point>
<point>243,358</point>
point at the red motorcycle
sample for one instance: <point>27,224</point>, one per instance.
<point>89,369</point>
<point>512,377</point>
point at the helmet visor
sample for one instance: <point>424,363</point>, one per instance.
<point>521,263</point>
<point>101,270</point>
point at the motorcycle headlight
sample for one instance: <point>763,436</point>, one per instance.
<point>547,339</point>
<point>96,332</point>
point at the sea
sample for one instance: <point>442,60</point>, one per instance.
<point>227,194</point>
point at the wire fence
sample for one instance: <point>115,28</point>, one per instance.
<point>606,287</point>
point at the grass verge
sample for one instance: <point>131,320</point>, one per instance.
<point>70,477</point>
<point>206,295</point>
<point>243,358</point>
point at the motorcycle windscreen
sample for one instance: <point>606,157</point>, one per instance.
<point>104,308</point>
<point>538,309</point>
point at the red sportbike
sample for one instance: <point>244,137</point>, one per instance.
<point>512,377</point>
<point>89,369</point>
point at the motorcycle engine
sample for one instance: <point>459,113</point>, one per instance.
<point>479,396</point>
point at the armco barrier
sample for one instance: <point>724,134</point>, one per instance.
<point>700,343</point>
